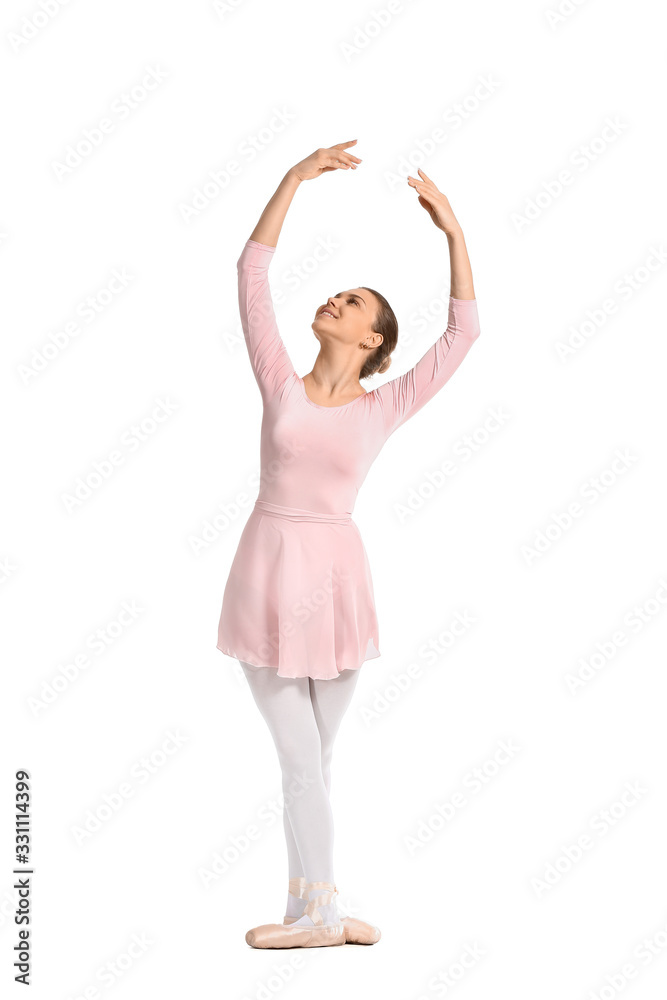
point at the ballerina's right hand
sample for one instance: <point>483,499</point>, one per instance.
<point>323,160</point>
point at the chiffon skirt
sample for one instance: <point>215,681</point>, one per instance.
<point>299,596</point>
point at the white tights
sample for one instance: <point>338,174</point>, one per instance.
<point>303,716</point>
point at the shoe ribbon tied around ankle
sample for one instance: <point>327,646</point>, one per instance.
<point>296,886</point>
<point>299,887</point>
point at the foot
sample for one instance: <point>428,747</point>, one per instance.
<point>356,931</point>
<point>311,930</point>
<point>359,932</point>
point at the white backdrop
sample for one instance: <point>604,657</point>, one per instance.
<point>130,459</point>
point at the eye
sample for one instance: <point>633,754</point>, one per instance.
<point>353,301</point>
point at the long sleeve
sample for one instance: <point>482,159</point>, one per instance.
<point>269,359</point>
<point>402,397</point>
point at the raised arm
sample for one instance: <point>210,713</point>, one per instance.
<point>271,220</point>
<point>269,359</point>
<point>321,161</point>
<point>268,355</point>
<point>404,396</point>
<point>437,205</point>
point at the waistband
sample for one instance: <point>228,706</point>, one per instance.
<point>299,514</point>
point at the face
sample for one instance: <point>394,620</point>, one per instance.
<point>348,317</point>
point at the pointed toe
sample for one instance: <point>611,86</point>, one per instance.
<point>265,936</point>
<point>359,932</point>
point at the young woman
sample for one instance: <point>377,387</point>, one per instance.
<point>298,610</point>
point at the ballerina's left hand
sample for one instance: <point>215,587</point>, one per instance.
<point>435,202</point>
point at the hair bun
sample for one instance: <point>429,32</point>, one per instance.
<point>385,364</point>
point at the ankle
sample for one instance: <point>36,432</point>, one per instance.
<point>295,902</point>
<point>320,905</point>
<point>329,913</point>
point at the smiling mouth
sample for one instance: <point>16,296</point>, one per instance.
<point>325,312</point>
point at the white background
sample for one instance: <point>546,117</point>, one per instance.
<point>495,876</point>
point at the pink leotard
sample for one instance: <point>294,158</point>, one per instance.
<point>299,596</point>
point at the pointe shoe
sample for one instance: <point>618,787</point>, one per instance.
<point>319,936</point>
<point>359,932</point>
<point>356,931</point>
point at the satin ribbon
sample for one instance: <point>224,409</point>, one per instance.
<point>302,889</point>
<point>296,886</point>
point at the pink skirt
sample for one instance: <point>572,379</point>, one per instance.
<point>299,596</point>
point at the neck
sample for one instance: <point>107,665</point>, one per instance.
<point>335,375</point>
